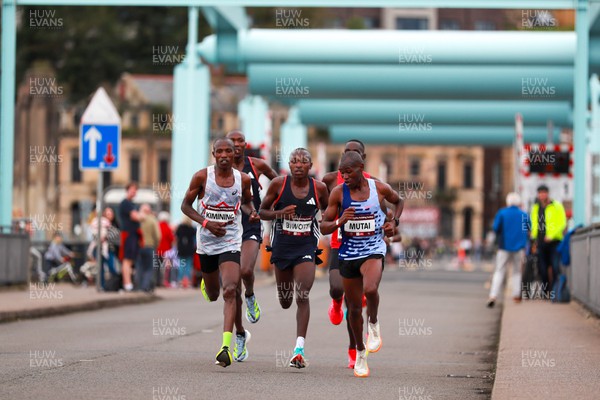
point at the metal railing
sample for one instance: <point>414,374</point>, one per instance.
<point>585,266</point>
<point>14,256</point>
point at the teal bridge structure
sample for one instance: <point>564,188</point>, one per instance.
<point>471,89</point>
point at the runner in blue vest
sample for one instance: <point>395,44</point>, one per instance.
<point>357,208</point>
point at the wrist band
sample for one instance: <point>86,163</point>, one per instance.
<point>204,223</point>
<point>337,223</point>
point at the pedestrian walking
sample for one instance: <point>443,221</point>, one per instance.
<point>511,226</point>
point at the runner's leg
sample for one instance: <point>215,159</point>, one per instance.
<point>304,277</point>
<point>353,290</point>
<point>285,286</point>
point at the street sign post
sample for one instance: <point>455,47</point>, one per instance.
<point>100,134</point>
<point>99,149</point>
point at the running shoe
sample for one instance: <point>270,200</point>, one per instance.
<point>223,358</point>
<point>203,290</point>
<point>336,314</point>
<point>373,337</point>
<point>351,358</point>
<point>240,352</point>
<point>298,360</point>
<point>252,309</point>
<point>361,369</point>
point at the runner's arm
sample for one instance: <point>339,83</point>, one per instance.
<point>247,205</point>
<point>323,195</point>
<point>195,190</point>
<point>330,221</point>
<point>266,211</point>
<point>263,168</point>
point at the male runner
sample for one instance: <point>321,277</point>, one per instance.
<point>336,288</point>
<point>252,236</point>
<point>222,191</point>
<point>293,202</point>
<point>357,207</point>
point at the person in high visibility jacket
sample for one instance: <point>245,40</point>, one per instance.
<point>548,223</point>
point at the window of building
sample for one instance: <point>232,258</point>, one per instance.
<point>468,222</point>
<point>75,171</point>
<point>163,169</point>
<point>449,25</point>
<point>446,222</point>
<point>412,23</point>
<point>135,121</point>
<point>484,26</point>
<point>75,218</point>
<point>134,168</point>
<point>415,167</point>
<point>441,175</point>
<point>371,22</point>
<point>468,175</point>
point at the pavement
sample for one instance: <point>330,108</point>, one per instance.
<point>547,351</point>
<point>40,300</point>
<point>440,342</point>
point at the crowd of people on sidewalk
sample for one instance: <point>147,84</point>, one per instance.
<point>140,250</point>
<point>530,243</point>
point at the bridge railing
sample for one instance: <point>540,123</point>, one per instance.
<point>585,266</point>
<point>14,256</point>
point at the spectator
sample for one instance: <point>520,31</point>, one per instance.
<point>131,236</point>
<point>151,237</point>
<point>110,235</point>
<point>548,222</point>
<point>165,244</point>
<point>511,225</point>
<point>186,248</point>
<point>56,254</point>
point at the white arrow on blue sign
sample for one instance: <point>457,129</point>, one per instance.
<point>100,134</point>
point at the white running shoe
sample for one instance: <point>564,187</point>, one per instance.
<point>361,369</point>
<point>373,338</point>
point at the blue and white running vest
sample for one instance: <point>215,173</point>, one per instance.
<point>362,236</point>
<point>220,204</point>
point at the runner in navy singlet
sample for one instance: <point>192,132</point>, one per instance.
<point>293,202</point>
<point>252,235</point>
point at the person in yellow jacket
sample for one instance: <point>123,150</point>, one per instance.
<point>548,223</point>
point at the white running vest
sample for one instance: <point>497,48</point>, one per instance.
<point>222,205</point>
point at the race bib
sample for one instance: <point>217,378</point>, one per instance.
<point>299,226</point>
<point>361,225</point>
<point>220,214</point>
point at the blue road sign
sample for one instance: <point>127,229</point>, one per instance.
<point>99,146</point>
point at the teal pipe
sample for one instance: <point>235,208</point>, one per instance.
<point>287,81</point>
<point>458,112</point>
<point>437,135</point>
<point>581,214</point>
<point>392,47</point>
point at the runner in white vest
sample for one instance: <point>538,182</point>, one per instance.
<point>222,193</point>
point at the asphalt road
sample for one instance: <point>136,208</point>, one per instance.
<point>439,342</point>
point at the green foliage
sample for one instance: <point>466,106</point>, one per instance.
<point>95,45</point>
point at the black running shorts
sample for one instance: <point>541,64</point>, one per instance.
<point>350,269</point>
<point>210,263</point>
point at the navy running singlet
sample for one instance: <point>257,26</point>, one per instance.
<point>296,236</point>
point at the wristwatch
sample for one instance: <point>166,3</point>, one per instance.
<point>397,221</point>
